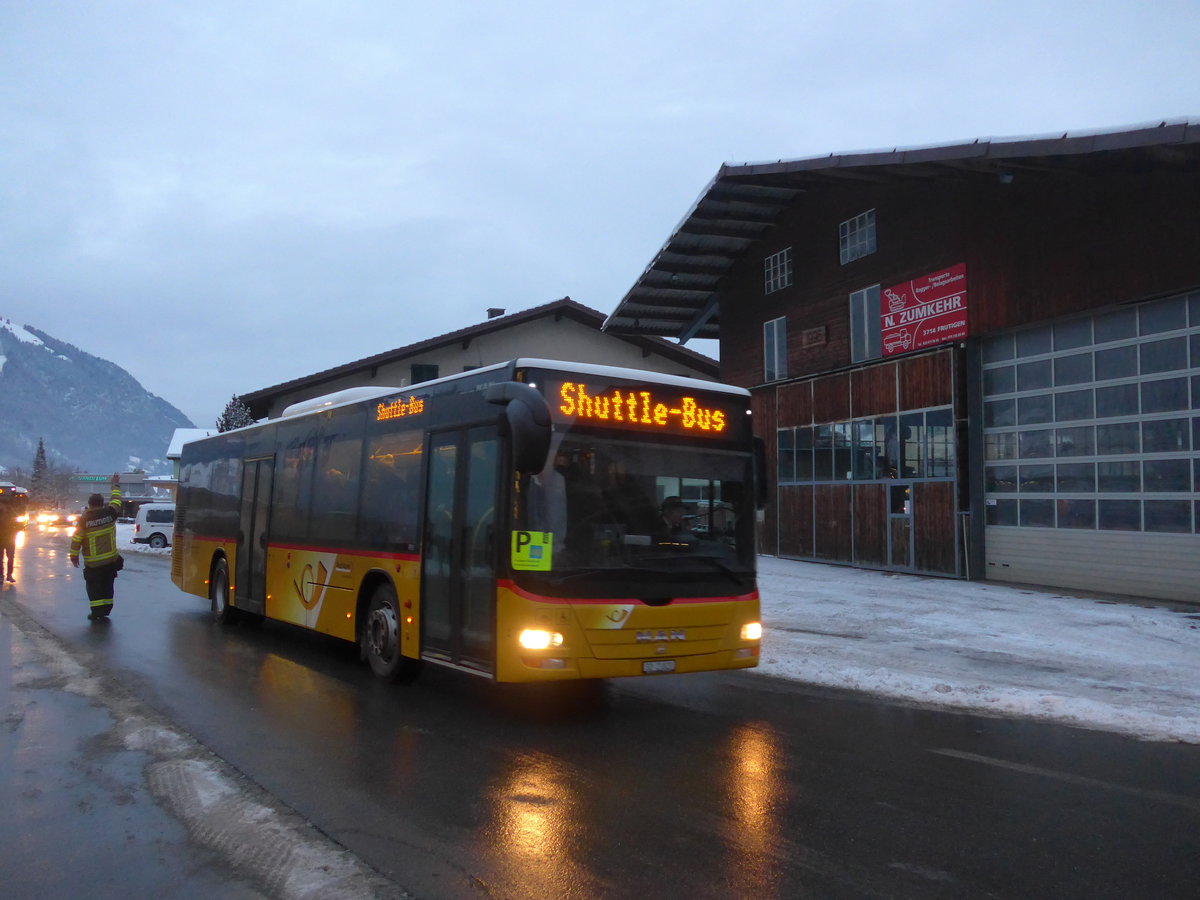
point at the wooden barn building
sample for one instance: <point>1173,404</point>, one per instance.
<point>979,360</point>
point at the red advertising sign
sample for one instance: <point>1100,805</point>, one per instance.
<point>923,312</point>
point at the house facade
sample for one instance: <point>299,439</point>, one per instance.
<point>136,489</point>
<point>976,360</point>
<point>562,329</point>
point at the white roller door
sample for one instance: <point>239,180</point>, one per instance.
<point>1160,566</point>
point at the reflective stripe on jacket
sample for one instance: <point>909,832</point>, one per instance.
<point>96,532</point>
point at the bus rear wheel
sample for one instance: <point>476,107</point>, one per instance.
<point>381,638</point>
<point>218,593</point>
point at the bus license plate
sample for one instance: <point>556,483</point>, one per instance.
<point>654,666</point>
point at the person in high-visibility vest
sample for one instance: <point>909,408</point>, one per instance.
<point>10,509</point>
<point>96,536</point>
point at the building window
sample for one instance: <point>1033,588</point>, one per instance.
<point>1100,412</point>
<point>865,341</point>
<point>856,237</point>
<point>423,372</point>
<point>775,349</point>
<point>777,271</point>
<point>914,445</point>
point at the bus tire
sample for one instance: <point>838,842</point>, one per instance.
<point>381,638</point>
<point>218,594</point>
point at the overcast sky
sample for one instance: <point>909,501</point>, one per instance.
<point>221,196</point>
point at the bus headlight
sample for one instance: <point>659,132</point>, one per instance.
<point>539,639</point>
<point>752,631</point>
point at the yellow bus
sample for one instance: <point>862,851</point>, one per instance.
<point>534,520</point>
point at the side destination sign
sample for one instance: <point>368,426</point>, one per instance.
<point>399,409</point>
<point>649,408</point>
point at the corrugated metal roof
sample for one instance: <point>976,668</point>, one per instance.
<point>677,294</point>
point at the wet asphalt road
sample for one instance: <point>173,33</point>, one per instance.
<point>703,786</point>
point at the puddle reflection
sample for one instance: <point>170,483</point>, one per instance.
<point>533,825</point>
<point>755,793</point>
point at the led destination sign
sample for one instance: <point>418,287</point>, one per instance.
<point>399,409</point>
<point>651,408</point>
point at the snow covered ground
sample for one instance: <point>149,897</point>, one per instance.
<point>126,545</point>
<point>975,646</point>
<point>985,647</point>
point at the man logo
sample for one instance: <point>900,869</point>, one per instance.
<point>654,637</point>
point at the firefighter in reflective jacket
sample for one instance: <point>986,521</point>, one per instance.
<point>96,535</point>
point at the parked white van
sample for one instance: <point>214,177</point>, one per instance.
<point>154,524</point>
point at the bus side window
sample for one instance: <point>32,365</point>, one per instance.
<point>293,482</point>
<point>391,491</point>
<point>336,478</point>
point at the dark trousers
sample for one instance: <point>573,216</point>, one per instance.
<point>99,581</point>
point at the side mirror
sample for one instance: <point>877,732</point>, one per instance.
<point>528,419</point>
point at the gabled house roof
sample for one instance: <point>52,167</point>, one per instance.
<point>677,295</point>
<point>181,436</point>
<point>259,400</point>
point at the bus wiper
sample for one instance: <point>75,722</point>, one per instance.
<point>583,573</point>
<point>732,574</point>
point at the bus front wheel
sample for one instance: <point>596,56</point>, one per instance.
<point>381,638</point>
<point>218,593</point>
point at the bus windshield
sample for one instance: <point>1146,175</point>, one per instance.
<point>637,518</point>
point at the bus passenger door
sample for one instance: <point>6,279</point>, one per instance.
<point>250,587</point>
<point>458,577</point>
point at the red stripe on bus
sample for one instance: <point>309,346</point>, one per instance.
<point>340,551</point>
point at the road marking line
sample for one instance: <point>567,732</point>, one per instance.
<point>1160,796</point>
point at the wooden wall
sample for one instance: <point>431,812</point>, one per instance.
<point>870,524</point>
<point>1045,245</point>
<point>880,389</point>
<point>848,522</point>
<point>796,520</point>
<point>831,505</point>
<point>934,521</point>
<point>1041,247</point>
<point>873,390</point>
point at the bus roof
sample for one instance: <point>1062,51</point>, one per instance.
<point>358,394</point>
<point>629,374</point>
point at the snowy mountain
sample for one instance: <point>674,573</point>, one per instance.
<point>91,413</point>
